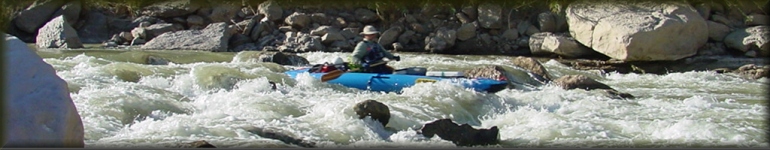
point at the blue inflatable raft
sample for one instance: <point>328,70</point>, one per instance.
<point>398,81</point>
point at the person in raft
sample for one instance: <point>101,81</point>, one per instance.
<point>368,52</point>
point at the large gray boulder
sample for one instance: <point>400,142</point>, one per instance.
<point>750,39</point>
<point>214,37</point>
<point>37,15</point>
<point>638,30</point>
<point>97,29</point>
<point>467,31</point>
<point>71,11</point>
<point>57,33</point>
<point>223,12</point>
<point>155,30</point>
<point>366,16</point>
<point>717,31</point>
<point>490,15</point>
<point>298,20</point>
<point>40,111</point>
<point>390,36</point>
<point>271,10</point>
<point>173,8</point>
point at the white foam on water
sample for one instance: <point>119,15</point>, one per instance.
<point>172,105</point>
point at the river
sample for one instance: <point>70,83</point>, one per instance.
<point>214,96</point>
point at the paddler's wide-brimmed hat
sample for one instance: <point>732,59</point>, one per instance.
<point>369,29</point>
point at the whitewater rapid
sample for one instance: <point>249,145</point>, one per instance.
<point>128,104</point>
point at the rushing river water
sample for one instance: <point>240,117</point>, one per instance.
<point>214,96</point>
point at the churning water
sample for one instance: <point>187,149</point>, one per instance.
<point>214,97</point>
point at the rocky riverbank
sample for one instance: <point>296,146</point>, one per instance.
<point>610,32</point>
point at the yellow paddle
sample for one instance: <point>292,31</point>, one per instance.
<point>331,75</point>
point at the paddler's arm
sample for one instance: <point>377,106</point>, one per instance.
<point>387,54</point>
<point>358,53</point>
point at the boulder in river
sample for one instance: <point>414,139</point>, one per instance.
<point>461,135</point>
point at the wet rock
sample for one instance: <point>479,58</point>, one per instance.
<point>366,16</point>
<point>623,30</point>
<point>96,30</point>
<point>350,33</point>
<point>463,18</point>
<point>276,134</point>
<point>547,22</point>
<point>283,59</point>
<point>717,31</point>
<point>752,71</point>
<point>155,30</point>
<point>331,37</point>
<point>713,49</point>
<point>579,82</point>
<point>198,144</point>
<point>569,82</point>
<point>260,30</point>
<point>374,109</point>
<point>467,31</point>
<point>471,11</point>
<point>533,66</point>
<point>298,20</point>
<point>239,39</point>
<point>751,38</point>
<point>110,44</point>
<point>490,15</point>
<point>214,37</point>
<point>322,30</point>
<point>245,26</point>
<point>757,19</point>
<point>36,15</point>
<point>511,34</point>
<point>58,34</point>
<point>138,41</point>
<point>155,60</point>
<point>545,43</point>
<point>321,18</point>
<point>298,42</point>
<point>704,9</point>
<point>246,47</point>
<point>461,135</point>
<point>223,11</point>
<point>406,37</point>
<point>71,11</point>
<point>271,10</point>
<point>170,9</point>
<point>389,36</point>
<point>195,22</point>
<point>125,37</point>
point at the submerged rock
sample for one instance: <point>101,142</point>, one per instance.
<point>752,71</point>
<point>198,144</point>
<point>285,138</point>
<point>377,110</point>
<point>461,135</point>
<point>534,67</point>
<point>569,82</point>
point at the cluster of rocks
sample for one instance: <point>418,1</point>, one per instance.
<point>459,134</point>
<point>600,30</point>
